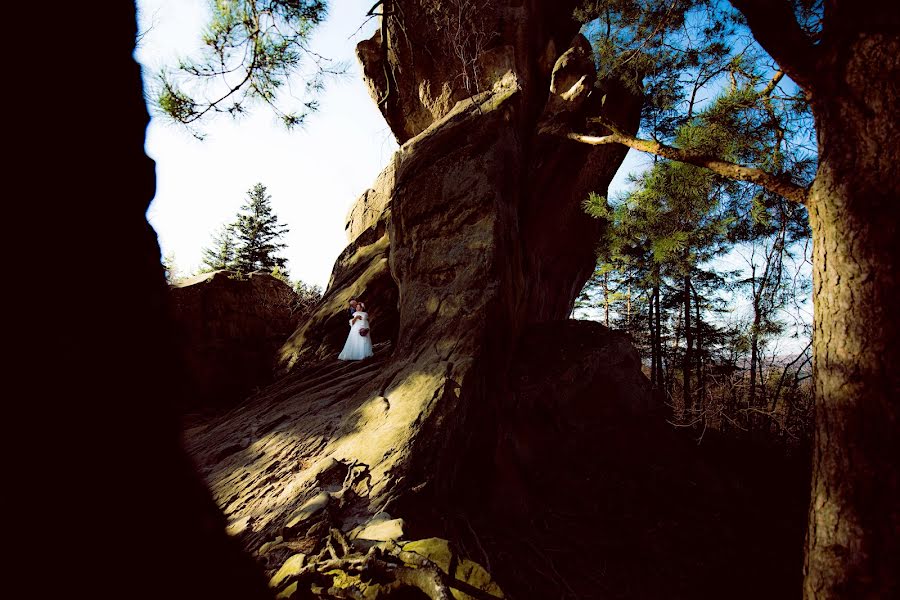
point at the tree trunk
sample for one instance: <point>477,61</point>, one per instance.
<point>701,380</point>
<point>606,298</point>
<point>659,358</point>
<point>852,544</point>
<point>628,308</point>
<point>688,354</point>
<point>754,349</point>
<point>652,328</point>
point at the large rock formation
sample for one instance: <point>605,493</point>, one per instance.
<point>475,229</point>
<point>231,329</point>
<point>470,238</point>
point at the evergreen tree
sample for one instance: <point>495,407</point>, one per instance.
<point>170,268</point>
<point>221,253</point>
<point>259,44</point>
<point>257,234</point>
<point>308,295</point>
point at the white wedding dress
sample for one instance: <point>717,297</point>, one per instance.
<point>357,346</point>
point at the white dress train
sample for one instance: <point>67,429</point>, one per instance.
<point>357,347</point>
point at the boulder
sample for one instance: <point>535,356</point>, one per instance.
<point>230,331</point>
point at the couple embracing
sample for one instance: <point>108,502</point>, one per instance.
<point>359,342</point>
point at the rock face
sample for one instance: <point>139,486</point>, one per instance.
<point>473,233</point>
<point>361,272</point>
<point>582,469</point>
<point>231,329</point>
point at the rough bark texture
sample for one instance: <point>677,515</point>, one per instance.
<point>853,547</point>
<point>230,330</point>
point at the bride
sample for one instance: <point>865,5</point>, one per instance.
<point>359,342</point>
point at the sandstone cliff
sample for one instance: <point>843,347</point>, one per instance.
<point>230,331</point>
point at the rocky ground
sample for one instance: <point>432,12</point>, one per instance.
<point>595,495</point>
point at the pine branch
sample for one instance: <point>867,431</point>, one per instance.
<point>727,169</point>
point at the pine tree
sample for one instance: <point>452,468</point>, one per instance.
<point>257,232</point>
<point>170,268</point>
<point>221,253</point>
<point>259,43</point>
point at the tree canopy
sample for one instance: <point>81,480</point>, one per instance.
<point>250,50</point>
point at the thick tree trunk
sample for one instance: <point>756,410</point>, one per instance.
<point>853,546</point>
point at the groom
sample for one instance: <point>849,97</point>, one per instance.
<point>353,304</point>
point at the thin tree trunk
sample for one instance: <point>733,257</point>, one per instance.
<point>689,340</point>
<point>672,362</point>
<point>652,342</point>
<point>628,306</point>
<point>659,362</point>
<point>606,297</point>
<point>701,380</point>
<point>754,348</point>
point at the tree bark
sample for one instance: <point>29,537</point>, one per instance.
<point>606,298</point>
<point>852,544</point>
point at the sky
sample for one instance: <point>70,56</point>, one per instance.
<point>313,174</point>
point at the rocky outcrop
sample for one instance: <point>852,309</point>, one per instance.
<point>583,471</point>
<point>303,451</point>
<point>473,233</point>
<point>230,331</point>
<point>429,55</point>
